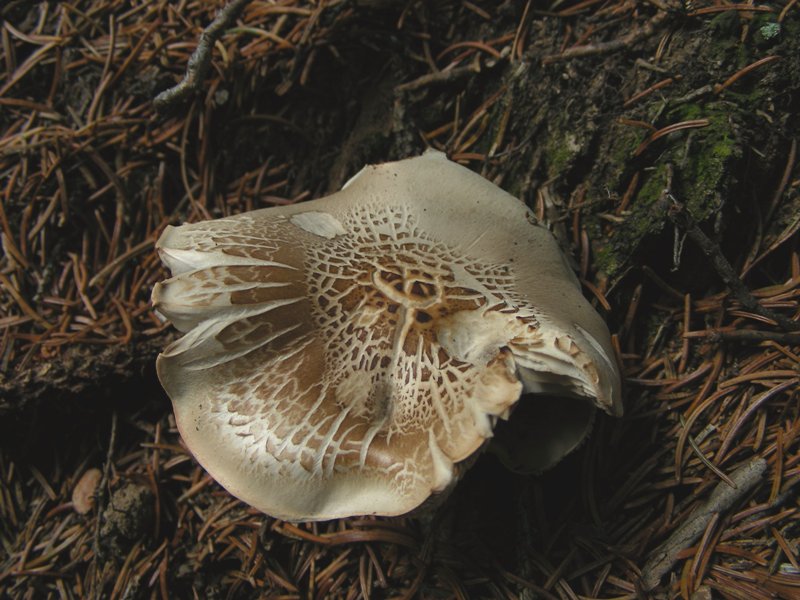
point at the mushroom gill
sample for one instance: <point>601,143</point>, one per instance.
<point>341,356</point>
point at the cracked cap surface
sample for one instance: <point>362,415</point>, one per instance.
<point>342,355</point>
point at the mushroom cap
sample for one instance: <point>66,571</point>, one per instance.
<point>343,355</point>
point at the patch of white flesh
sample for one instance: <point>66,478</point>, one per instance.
<point>546,368</point>
<point>318,223</point>
<point>596,345</point>
<point>473,336</point>
<point>442,466</point>
<point>183,261</point>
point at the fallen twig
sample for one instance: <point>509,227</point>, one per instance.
<point>200,60</point>
<point>633,37</point>
<point>102,492</point>
<point>678,214</point>
<point>722,498</point>
<point>718,88</point>
<point>745,335</point>
<point>438,78</point>
<point>694,123</point>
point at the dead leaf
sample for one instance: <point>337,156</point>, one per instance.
<point>84,492</point>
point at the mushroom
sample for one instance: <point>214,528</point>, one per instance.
<point>346,355</point>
